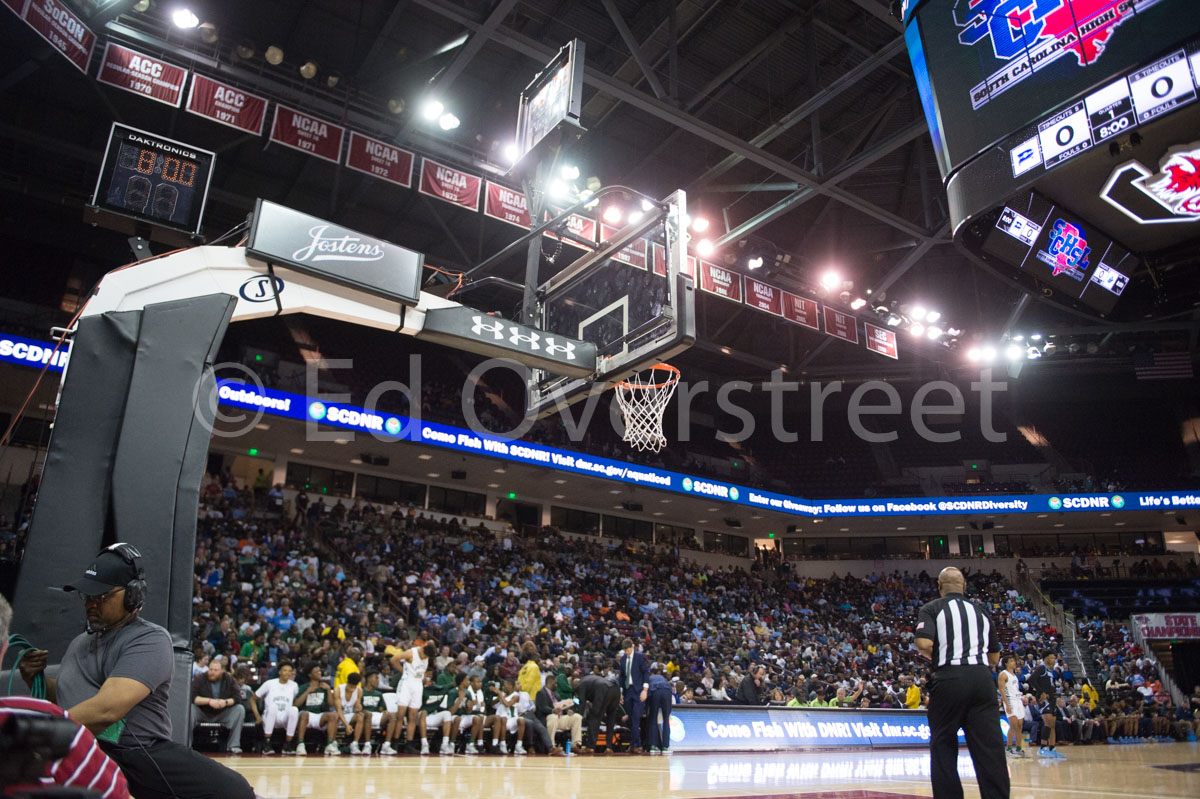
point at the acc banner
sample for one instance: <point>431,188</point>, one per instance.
<point>227,105</point>
<point>635,253</point>
<point>380,159</point>
<point>721,282</point>
<point>1174,626</point>
<point>450,185</point>
<point>763,296</point>
<point>307,134</point>
<point>801,310</point>
<point>507,205</point>
<point>142,74</point>
<point>55,22</point>
<point>841,325</point>
<point>881,340</point>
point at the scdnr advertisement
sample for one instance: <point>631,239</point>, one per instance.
<point>705,728</point>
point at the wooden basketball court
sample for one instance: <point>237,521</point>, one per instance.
<point>1163,771</point>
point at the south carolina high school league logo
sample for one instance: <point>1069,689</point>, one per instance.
<point>1068,251</point>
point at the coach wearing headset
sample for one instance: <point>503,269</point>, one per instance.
<point>115,679</point>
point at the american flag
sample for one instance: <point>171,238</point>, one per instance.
<point>1162,365</point>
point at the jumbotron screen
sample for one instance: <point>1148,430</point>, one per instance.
<point>987,67</point>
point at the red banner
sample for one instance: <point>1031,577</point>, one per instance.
<point>142,74</point>
<point>59,25</point>
<point>882,340</point>
<point>764,297</point>
<point>507,205</point>
<point>307,134</point>
<point>17,6</point>
<point>721,282</point>
<point>227,105</point>
<point>380,160</point>
<point>659,259</point>
<point>635,253</point>
<point>579,226</point>
<point>801,310</point>
<point>450,185</point>
<point>841,325</point>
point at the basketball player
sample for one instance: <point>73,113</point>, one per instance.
<point>315,714</point>
<point>445,704</point>
<point>1010,697</point>
<point>472,711</point>
<point>412,663</point>
<point>507,718</point>
<point>1042,680</point>
<point>348,706</point>
<point>374,716</point>
<point>279,703</point>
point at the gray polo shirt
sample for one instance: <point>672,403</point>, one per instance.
<point>141,650</point>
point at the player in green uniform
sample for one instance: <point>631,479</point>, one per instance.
<point>315,714</point>
<point>375,715</point>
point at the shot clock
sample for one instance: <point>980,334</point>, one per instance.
<point>154,179</point>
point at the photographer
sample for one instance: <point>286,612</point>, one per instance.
<point>82,766</point>
<point>115,679</point>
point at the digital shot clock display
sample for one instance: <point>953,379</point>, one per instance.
<point>155,179</point>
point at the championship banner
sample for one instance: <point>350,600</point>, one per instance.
<point>801,310</point>
<point>635,253</point>
<point>1172,626</point>
<point>577,225</point>
<point>841,325</point>
<point>55,22</point>
<point>721,282</point>
<point>17,6</point>
<point>881,340</point>
<point>763,296</point>
<point>307,134</point>
<point>450,185</point>
<point>380,160</point>
<point>660,262</point>
<point>507,205</point>
<point>227,105</point>
<point>142,74</point>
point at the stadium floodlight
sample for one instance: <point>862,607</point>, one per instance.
<point>1014,352</point>
<point>184,18</point>
<point>893,320</point>
<point>933,316</point>
<point>917,313</point>
<point>704,247</point>
<point>831,280</point>
<point>448,121</point>
<point>432,109</point>
<point>755,263</point>
<point>512,152</point>
<point>934,333</point>
<point>700,224</point>
<point>857,303</point>
<point>570,172</point>
<point>636,216</point>
<point>557,189</point>
<point>1036,337</point>
<point>988,354</point>
<point>917,329</point>
<point>612,215</point>
<point>1018,337</point>
<point>974,355</point>
<point>1033,353</point>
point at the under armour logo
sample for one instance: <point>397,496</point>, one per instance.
<point>553,348</point>
<point>532,339</point>
<point>496,328</point>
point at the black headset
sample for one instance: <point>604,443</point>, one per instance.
<point>135,589</point>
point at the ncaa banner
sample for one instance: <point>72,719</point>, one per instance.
<point>308,134</point>
<point>379,160</point>
<point>450,185</point>
<point>841,325</point>
<point>763,296</point>
<point>227,105</point>
<point>801,310</point>
<point>721,282</point>
<point>635,253</point>
<point>55,22</point>
<point>881,340</point>
<point>142,74</point>
<point>580,226</point>
<point>507,205</point>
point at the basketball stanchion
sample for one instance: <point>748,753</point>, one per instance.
<point>642,399</point>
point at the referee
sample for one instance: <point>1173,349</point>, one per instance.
<point>957,635</point>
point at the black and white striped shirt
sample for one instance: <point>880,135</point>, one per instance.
<point>961,631</point>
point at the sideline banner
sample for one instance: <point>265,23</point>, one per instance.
<point>1172,626</point>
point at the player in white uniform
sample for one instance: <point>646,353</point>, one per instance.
<point>507,718</point>
<point>279,697</point>
<point>1010,698</point>
<point>473,711</point>
<point>412,663</point>
<point>347,703</point>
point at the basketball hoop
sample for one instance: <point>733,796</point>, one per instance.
<point>642,400</point>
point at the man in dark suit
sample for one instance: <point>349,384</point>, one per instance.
<point>750,689</point>
<point>635,682</point>
<point>599,701</point>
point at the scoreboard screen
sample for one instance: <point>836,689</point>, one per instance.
<point>154,179</point>
<point>985,68</point>
<point>553,97</point>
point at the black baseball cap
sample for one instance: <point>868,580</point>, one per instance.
<point>107,571</point>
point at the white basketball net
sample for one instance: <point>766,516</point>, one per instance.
<point>642,399</point>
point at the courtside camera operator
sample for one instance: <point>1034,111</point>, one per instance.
<point>115,680</point>
<point>40,745</point>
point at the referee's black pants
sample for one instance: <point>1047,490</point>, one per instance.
<point>965,696</point>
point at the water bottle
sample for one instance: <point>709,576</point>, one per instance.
<point>568,746</point>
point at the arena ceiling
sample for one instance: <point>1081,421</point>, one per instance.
<point>792,124</point>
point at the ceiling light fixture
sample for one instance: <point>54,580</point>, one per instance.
<point>274,55</point>
<point>704,247</point>
<point>612,215</point>
<point>184,18</point>
<point>700,224</point>
<point>432,109</point>
<point>448,121</point>
<point>308,70</point>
